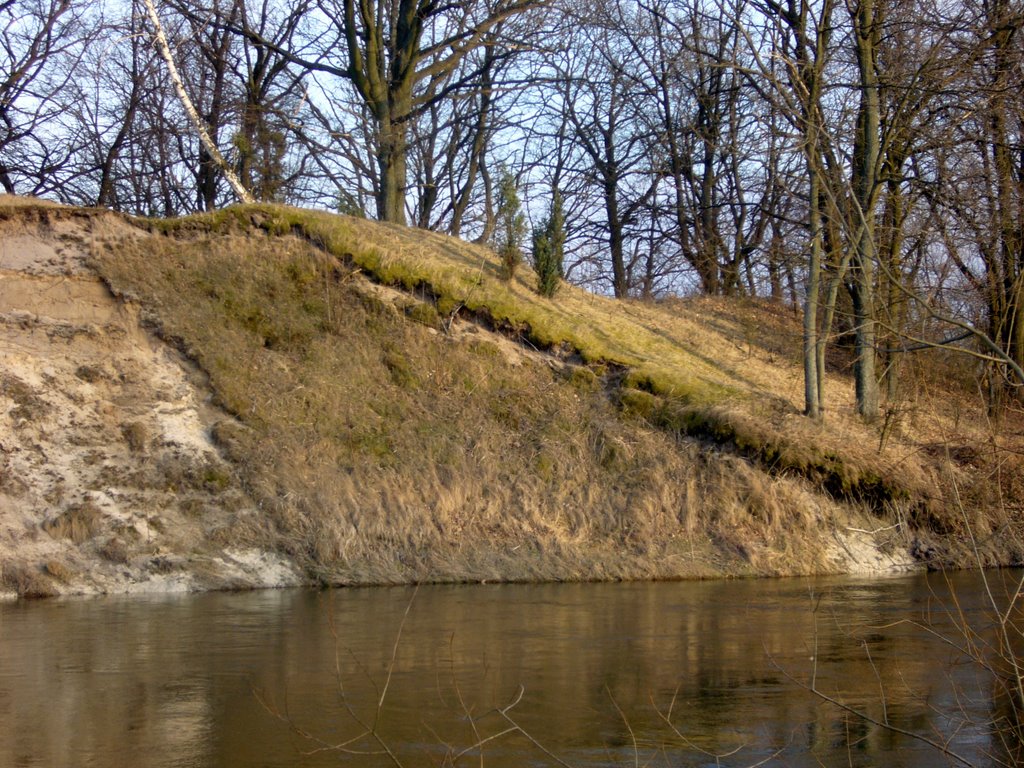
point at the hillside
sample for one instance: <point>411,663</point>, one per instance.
<point>268,396</point>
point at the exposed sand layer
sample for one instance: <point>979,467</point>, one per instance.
<point>109,480</point>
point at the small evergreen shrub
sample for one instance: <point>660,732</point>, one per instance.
<point>349,205</point>
<point>549,249</point>
<point>511,229</point>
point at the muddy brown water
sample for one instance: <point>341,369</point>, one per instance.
<point>680,674</point>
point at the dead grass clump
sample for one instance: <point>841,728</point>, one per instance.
<point>424,313</point>
<point>163,565</point>
<point>136,434</point>
<point>90,374</point>
<point>59,570</point>
<point>192,507</point>
<point>27,581</point>
<point>182,472</point>
<point>399,368</point>
<point>79,523</point>
<point>853,472</point>
<point>10,483</point>
<point>772,524</point>
<point>584,378</point>
<point>28,406</point>
<point>115,550</point>
<point>233,437</point>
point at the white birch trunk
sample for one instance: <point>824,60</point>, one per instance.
<point>204,136</point>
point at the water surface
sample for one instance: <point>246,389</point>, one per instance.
<point>713,673</point>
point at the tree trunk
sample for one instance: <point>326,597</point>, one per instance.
<point>190,110</point>
<point>620,285</point>
<point>5,180</point>
<point>832,246</point>
<point>391,164</point>
<point>812,383</point>
<point>865,182</point>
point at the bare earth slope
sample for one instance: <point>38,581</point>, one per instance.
<point>108,479</point>
<point>268,397</point>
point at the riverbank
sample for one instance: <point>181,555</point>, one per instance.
<point>268,397</point>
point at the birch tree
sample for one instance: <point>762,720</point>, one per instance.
<point>202,131</point>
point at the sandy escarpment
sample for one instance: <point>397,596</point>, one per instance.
<point>109,479</point>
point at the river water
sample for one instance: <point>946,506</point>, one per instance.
<point>680,674</point>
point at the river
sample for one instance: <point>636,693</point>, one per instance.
<point>680,674</point>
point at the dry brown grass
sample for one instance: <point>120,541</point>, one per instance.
<point>28,405</point>
<point>79,523</point>
<point>59,570</point>
<point>384,451</point>
<point>115,550</point>
<point>136,435</point>
<point>387,452</point>
<point>732,367</point>
<point>23,201</point>
<point>27,581</point>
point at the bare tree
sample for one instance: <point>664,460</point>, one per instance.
<point>977,194</point>
<point>454,140</point>
<point>801,36</point>
<point>598,111</point>
<point>399,58</point>
<point>40,44</point>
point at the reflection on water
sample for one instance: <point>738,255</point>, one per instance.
<point>663,674</point>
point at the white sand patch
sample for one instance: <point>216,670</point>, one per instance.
<point>266,569</point>
<point>862,551</point>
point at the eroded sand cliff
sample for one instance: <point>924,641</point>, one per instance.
<point>109,480</point>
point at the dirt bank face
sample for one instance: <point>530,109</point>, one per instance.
<point>109,481</point>
<point>368,445</point>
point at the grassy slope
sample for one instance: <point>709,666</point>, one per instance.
<point>387,450</point>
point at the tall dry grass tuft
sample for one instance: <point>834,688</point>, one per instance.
<point>79,523</point>
<point>27,581</point>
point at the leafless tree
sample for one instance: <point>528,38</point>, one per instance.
<point>41,42</point>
